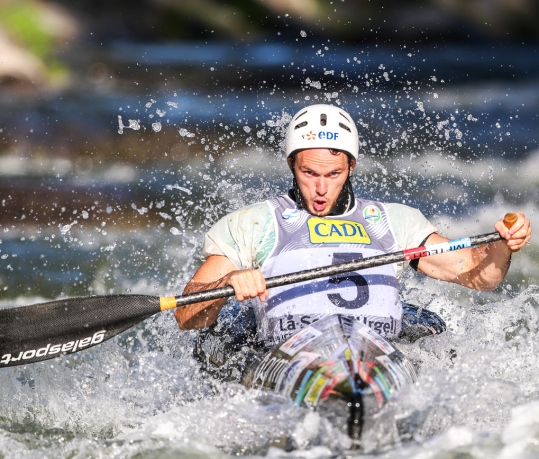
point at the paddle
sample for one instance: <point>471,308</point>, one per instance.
<point>46,330</point>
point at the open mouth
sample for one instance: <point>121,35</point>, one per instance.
<point>319,205</point>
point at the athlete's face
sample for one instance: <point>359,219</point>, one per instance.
<point>321,175</point>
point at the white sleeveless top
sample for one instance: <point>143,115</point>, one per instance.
<point>304,241</point>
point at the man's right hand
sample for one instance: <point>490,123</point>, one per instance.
<point>247,284</point>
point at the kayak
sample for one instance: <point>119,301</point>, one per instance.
<point>337,365</point>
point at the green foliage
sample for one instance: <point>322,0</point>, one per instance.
<point>20,19</point>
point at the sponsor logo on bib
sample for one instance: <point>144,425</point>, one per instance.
<point>372,214</point>
<point>325,231</point>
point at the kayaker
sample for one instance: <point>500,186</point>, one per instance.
<point>320,221</point>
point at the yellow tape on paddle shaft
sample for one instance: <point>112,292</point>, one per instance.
<point>167,302</point>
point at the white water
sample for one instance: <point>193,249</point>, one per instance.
<point>143,395</point>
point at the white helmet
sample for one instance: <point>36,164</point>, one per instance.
<point>322,126</point>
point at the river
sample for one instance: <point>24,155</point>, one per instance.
<point>448,129</point>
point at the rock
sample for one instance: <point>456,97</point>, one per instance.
<point>18,64</point>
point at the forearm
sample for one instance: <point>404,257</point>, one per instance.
<point>480,268</point>
<point>489,265</point>
<point>199,315</point>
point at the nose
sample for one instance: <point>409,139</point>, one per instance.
<point>321,186</point>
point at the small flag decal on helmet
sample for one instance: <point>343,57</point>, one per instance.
<point>372,214</point>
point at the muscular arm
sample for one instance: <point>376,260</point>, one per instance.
<point>480,268</point>
<point>218,271</point>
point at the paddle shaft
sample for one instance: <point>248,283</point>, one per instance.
<point>339,268</point>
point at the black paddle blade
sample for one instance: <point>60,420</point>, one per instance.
<point>43,331</point>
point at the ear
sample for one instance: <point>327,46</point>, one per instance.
<point>352,166</point>
<point>290,164</point>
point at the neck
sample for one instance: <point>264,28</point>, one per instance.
<point>345,201</point>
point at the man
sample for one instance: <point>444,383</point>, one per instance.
<point>320,222</point>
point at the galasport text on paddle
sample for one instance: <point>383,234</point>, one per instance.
<point>43,331</point>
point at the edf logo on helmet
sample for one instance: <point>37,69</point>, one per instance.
<point>323,135</point>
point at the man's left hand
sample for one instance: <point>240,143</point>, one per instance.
<point>518,235</point>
